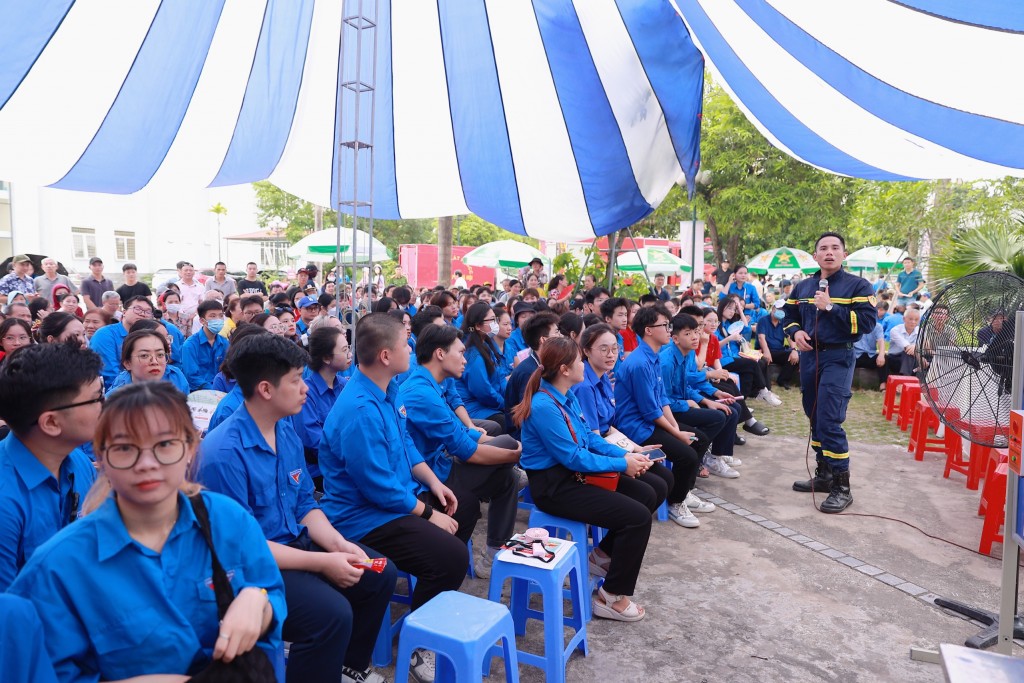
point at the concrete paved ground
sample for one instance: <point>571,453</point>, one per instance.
<point>737,601</point>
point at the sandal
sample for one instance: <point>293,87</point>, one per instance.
<point>598,565</point>
<point>603,608</point>
<point>757,429</point>
<point>703,472</point>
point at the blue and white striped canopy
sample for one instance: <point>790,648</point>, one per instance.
<point>556,118</point>
<point>878,89</point>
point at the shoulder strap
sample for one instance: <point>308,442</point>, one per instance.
<point>568,423</point>
<point>221,584</point>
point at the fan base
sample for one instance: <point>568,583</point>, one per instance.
<point>988,636</point>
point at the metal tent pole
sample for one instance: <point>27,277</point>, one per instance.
<point>650,285</point>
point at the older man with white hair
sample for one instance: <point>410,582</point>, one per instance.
<point>50,277</point>
<point>902,356</point>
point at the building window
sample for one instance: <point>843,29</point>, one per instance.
<point>273,253</point>
<point>83,242</point>
<point>124,245</point>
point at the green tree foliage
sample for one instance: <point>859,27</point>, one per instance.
<point>473,231</point>
<point>756,196</point>
<point>991,246</point>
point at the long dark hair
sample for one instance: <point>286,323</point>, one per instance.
<point>721,307</point>
<point>475,315</point>
<point>556,352</point>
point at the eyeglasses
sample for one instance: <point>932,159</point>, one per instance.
<point>142,311</point>
<point>667,326</point>
<point>607,350</point>
<point>145,357</point>
<point>19,339</point>
<point>275,328</point>
<point>124,456</point>
<point>488,320</point>
<point>99,399</point>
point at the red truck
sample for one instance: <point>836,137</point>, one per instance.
<point>419,263</point>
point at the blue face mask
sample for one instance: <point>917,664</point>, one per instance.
<point>779,315</point>
<point>215,325</point>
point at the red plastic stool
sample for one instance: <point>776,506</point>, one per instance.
<point>994,499</point>
<point>955,462</point>
<point>996,457</point>
<point>979,456</point>
<point>911,394</point>
<point>890,405</point>
<point>923,421</point>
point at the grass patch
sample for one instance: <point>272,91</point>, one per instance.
<point>864,422</point>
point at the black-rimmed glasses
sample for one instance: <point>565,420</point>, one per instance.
<point>124,456</point>
<point>99,399</point>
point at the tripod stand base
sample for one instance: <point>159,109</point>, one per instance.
<point>988,636</point>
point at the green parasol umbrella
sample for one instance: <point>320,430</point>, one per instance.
<point>781,261</point>
<point>504,254</point>
<point>653,260</point>
<point>875,258</point>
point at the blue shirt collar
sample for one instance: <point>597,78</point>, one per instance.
<point>559,396</point>
<point>112,535</point>
<point>371,388</point>
<point>645,348</point>
<point>427,378</point>
<point>32,472</point>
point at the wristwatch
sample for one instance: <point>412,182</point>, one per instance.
<point>427,511</point>
<point>828,309</point>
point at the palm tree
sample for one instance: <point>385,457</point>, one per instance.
<point>220,210</point>
<point>986,247</point>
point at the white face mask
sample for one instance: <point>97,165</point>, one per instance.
<point>173,308</point>
<point>494,327</point>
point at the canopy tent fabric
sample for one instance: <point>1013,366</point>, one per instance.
<point>558,118</point>
<point>652,260</point>
<point>322,247</point>
<point>877,257</point>
<point>504,254</point>
<point>874,89</point>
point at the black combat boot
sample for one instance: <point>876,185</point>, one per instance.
<point>839,498</point>
<point>822,481</point>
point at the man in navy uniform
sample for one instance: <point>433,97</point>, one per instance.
<point>825,314</point>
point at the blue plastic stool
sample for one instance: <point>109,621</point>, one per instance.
<point>462,630</point>
<point>381,655</point>
<point>559,527</point>
<point>527,502</point>
<point>549,579</point>
<point>663,509</point>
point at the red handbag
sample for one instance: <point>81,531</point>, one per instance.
<point>605,480</point>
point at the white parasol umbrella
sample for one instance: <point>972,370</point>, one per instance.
<point>504,254</point>
<point>875,258</point>
<point>321,247</point>
<point>781,261</point>
<point>653,260</point>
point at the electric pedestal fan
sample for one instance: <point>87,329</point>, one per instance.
<point>966,359</point>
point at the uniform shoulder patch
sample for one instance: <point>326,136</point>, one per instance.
<point>872,300</point>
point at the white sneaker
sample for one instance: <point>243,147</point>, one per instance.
<point>775,395</point>
<point>769,398</point>
<point>720,469</point>
<point>731,461</point>
<point>369,676</point>
<point>421,666</point>
<point>697,505</point>
<point>681,515</point>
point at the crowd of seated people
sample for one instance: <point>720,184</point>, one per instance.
<point>317,461</point>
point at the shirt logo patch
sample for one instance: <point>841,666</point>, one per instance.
<point>296,475</point>
<point>209,580</point>
<point>401,410</point>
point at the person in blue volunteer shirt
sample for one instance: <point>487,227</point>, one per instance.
<point>329,357</point>
<point>521,314</point>
<point>506,353</point>
<point>595,394</point>
<point>107,340</point>
<point>473,465</point>
<point>538,329</point>
<point>372,469</point>
<point>482,386</point>
<point>909,282</point>
<point>204,351</point>
<point>50,397</point>
<point>144,356</point>
<point>753,377</point>
<point>23,656</point>
<point>126,591</point>
<point>693,411</point>
<point>642,410</point>
<point>771,341</point>
<point>558,448</point>
<point>741,287</point>
<point>230,402</point>
<point>335,608</point>
<point>615,312</point>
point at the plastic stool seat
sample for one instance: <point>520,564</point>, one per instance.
<point>462,630</point>
<point>892,385</point>
<point>910,395</point>
<point>381,655</point>
<point>549,579</point>
<point>559,527</point>
<point>994,499</point>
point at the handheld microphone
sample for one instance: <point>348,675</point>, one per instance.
<point>823,285</point>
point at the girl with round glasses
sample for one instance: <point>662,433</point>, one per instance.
<point>144,357</point>
<point>127,591</point>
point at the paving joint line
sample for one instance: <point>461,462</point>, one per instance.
<point>879,574</point>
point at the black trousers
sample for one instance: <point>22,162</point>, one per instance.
<point>729,387</point>
<point>870,362</point>
<point>685,463</point>
<point>752,374</point>
<point>626,512</point>
<point>495,483</point>
<point>436,558</point>
<point>787,370</point>
<point>718,426</point>
<point>329,626</point>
